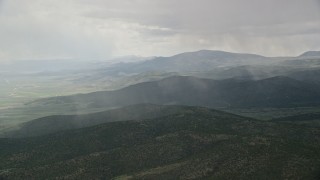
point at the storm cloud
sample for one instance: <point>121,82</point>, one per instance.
<point>100,29</point>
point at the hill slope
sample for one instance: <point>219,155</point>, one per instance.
<point>194,144</point>
<point>308,119</point>
<point>56,123</point>
<point>311,75</point>
<point>271,92</point>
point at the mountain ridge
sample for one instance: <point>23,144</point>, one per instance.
<point>310,54</point>
<point>191,61</point>
<point>185,90</point>
<point>57,123</point>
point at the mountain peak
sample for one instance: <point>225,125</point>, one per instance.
<point>215,54</point>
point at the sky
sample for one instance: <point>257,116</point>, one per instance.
<point>102,29</point>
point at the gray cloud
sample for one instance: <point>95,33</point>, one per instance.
<point>99,29</point>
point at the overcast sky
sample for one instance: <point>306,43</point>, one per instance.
<point>100,29</point>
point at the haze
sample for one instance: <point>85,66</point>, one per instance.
<point>98,30</point>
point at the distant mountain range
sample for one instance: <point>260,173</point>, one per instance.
<point>204,64</point>
<point>203,60</point>
<point>227,70</point>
